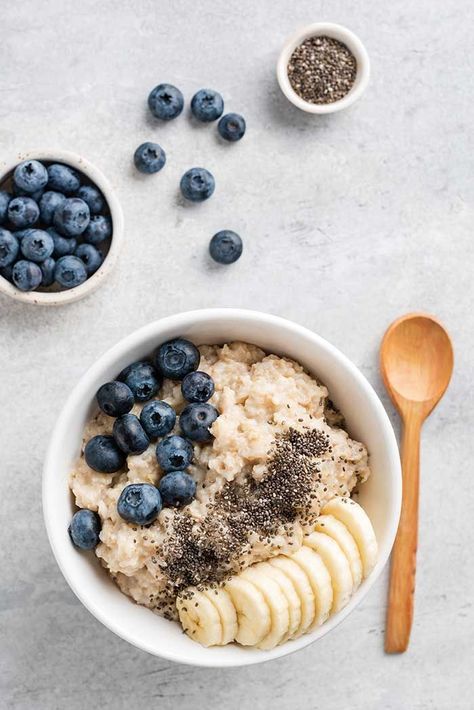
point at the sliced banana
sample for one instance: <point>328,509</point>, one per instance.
<point>277,603</point>
<point>320,581</point>
<point>199,618</point>
<point>227,614</point>
<point>288,589</point>
<point>329,525</point>
<point>300,581</point>
<point>337,565</point>
<point>253,614</point>
<point>358,523</point>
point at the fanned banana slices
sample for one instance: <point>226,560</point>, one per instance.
<point>289,595</point>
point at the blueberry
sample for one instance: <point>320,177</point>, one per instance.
<point>139,503</point>
<point>231,127</point>
<point>6,272</point>
<point>93,197</point>
<point>5,198</point>
<point>196,419</point>
<point>143,380</point>
<point>62,178</point>
<point>207,105</point>
<point>103,455</point>
<point>115,398</point>
<point>165,101</point>
<point>23,212</point>
<point>197,387</point>
<point>177,488</point>
<point>84,529</point>
<point>26,275</point>
<point>98,229</point>
<point>47,269</point>
<point>174,453</point>
<point>149,158</point>
<point>197,184</point>
<point>129,434</point>
<point>91,257</point>
<point>30,176</point>
<point>71,217</point>
<point>70,271</point>
<point>9,247</point>
<point>62,245</point>
<point>225,247</point>
<point>157,418</point>
<point>37,245</point>
<point>48,202</point>
<point>177,358</point>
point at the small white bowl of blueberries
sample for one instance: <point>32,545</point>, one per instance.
<point>61,228</point>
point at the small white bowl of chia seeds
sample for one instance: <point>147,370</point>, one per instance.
<point>323,68</point>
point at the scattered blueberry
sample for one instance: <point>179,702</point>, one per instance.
<point>129,434</point>
<point>177,358</point>
<point>91,257</point>
<point>30,176</point>
<point>84,529</point>
<point>98,229</point>
<point>48,202</point>
<point>26,275</point>
<point>93,197</point>
<point>70,271</point>
<point>143,380</point>
<point>177,488</point>
<point>197,387</point>
<point>165,101</point>
<point>149,158</point>
<point>37,245</point>
<point>207,105</point>
<point>47,269</point>
<point>71,217</point>
<point>62,178</point>
<point>197,184</point>
<point>103,455</point>
<point>139,503</point>
<point>196,419</point>
<point>174,453</point>
<point>226,247</point>
<point>115,398</point>
<point>9,247</point>
<point>23,212</point>
<point>62,245</point>
<point>158,418</point>
<point>231,127</point>
<point>5,198</point>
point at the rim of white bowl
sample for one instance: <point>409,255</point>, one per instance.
<point>351,40</point>
<point>59,298</point>
<point>179,323</point>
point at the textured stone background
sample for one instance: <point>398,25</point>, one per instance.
<point>348,222</point>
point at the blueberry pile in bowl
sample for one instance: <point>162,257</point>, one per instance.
<point>55,227</point>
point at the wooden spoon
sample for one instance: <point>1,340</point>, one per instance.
<point>416,360</point>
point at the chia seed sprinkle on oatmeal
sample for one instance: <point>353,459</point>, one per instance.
<point>322,70</point>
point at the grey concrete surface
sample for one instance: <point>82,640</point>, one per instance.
<point>348,222</point>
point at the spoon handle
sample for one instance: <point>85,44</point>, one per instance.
<point>403,568</point>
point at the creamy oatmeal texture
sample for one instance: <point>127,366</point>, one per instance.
<point>260,398</point>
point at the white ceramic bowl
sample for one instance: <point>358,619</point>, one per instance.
<point>367,421</point>
<point>59,298</point>
<point>351,41</point>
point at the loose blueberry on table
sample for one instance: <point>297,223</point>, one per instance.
<point>226,247</point>
<point>231,127</point>
<point>207,105</point>
<point>149,158</point>
<point>197,184</point>
<point>166,102</point>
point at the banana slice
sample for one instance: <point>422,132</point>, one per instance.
<point>337,564</point>
<point>300,581</point>
<point>358,523</point>
<point>226,610</point>
<point>288,589</point>
<point>199,618</point>
<point>320,580</point>
<point>253,614</point>
<point>277,603</point>
<point>329,525</point>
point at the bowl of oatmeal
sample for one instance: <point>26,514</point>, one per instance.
<point>282,395</point>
